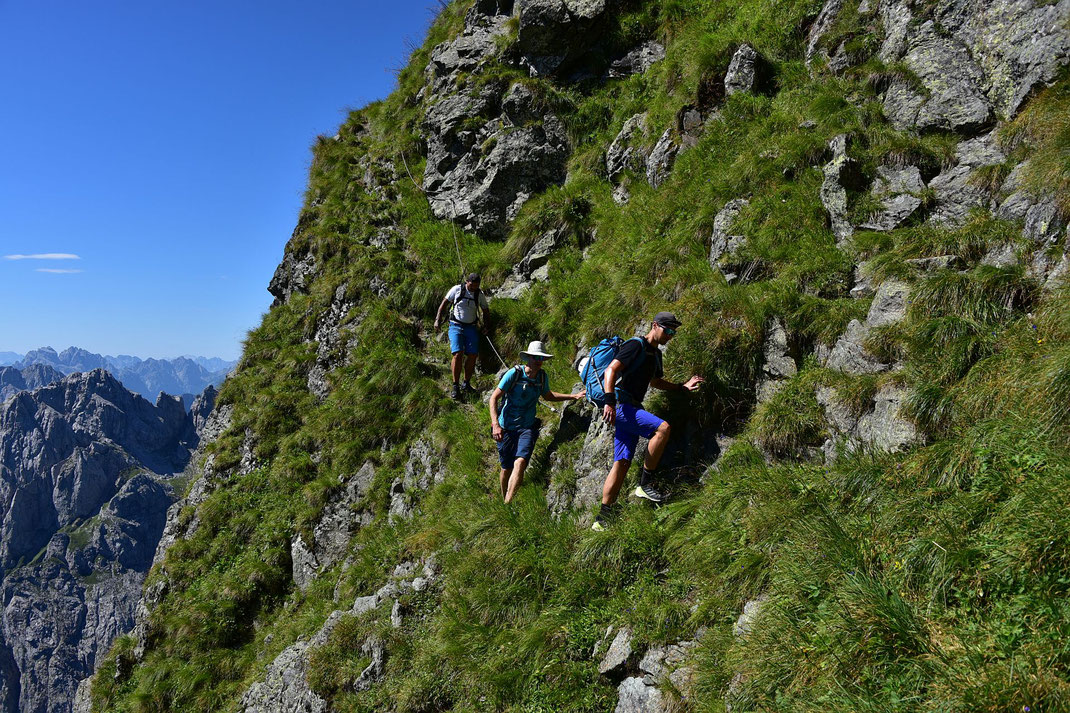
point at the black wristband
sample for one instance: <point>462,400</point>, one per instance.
<point>611,400</point>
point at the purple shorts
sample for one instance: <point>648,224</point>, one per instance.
<point>631,423</point>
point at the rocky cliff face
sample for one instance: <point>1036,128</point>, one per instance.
<point>87,473</point>
<point>817,354</point>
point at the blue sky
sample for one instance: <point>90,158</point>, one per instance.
<point>157,153</point>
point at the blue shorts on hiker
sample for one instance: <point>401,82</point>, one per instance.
<point>464,337</point>
<point>631,423</point>
<point>518,443</point>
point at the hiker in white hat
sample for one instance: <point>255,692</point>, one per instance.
<point>515,428</point>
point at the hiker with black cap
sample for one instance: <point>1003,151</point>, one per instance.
<point>516,428</point>
<point>638,366</point>
<point>466,301</point>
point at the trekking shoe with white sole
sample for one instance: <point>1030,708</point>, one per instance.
<point>455,393</point>
<point>649,492</point>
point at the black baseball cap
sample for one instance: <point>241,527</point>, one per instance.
<point>667,319</point>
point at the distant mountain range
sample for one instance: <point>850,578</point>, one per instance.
<point>183,376</point>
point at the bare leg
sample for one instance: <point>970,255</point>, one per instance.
<point>656,446</point>
<point>455,367</point>
<point>614,480</point>
<point>504,478</point>
<point>469,367</point>
<point>517,479</point>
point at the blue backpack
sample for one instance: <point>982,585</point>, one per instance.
<point>593,368</point>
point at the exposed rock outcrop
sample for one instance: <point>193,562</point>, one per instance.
<point>742,75</point>
<point>285,687</point>
<point>332,532</point>
<point>778,366</point>
<point>900,192</point>
<point>553,33</point>
<point>841,174</point>
<point>636,61</point>
<point>723,244</point>
<point>661,159</point>
<point>293,275</point>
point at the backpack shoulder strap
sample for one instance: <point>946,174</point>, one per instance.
<point>519,371</point>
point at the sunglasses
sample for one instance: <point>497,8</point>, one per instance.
<point>536,358</point>
<point>668,330</point>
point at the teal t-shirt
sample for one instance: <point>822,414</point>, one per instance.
<point>521,395</point>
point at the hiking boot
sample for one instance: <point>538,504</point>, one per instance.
<point>455,393</point>
<point>649,492</point>
<point>469,389</point>
<point>599,524</point>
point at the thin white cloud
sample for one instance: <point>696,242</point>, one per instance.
<point>44,256</point>
<point>56,271</point>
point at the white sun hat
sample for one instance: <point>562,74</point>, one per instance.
<point>536,349</point>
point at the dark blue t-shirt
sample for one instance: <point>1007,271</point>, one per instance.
<point>634,383</point>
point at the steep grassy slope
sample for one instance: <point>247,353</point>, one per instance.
<point>931,579</point>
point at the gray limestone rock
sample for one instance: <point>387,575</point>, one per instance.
<point>63,610</point>
<point>332,532</point>
<point>591,465</point>
<point>722,243</point>
<point>332,342</point>
<point>637,61</point>
<point>751,610</point>
<point>900,190</point>
<point>660,162</point>
<point>662,662</point>
<point>883,428</point>
<point>481,176</point>
<point>849,354</point>
<point>1018,44</point>
<point>622,155</point>
<point>889,304</point>
<point>554,32</point>
<point>634,695</point>
<point>976,58</point>
<point>1001,256</point>
<point>838,173</point>
<point>294,274</point>
<point>863,283</point>
<point>742,72</point>
<point>484,24</point>
<point>956,196</point>
<point>620,650</point>
<point>778,366</point>
<point>880,427</point>
<point>955,86</point>
<point>285,687</point>
<point>422,470</point>
<point>825,19</point>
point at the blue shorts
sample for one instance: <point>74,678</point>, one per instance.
<point>631,423</point>
<point>515,444</point>
<point>464,336</point>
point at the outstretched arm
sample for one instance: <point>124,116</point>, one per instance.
<point>554,396</point>
<point>690,385</point>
